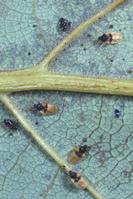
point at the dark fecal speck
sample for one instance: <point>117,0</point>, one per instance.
<point>63,25</point>
<point>36,123</point>
<point>111,26</point>
<point>29,53</point>
<point>88,35</point>
<point>117,113</point>
<point>34,25</point>
<point>84,140</point>
<point>130,71</point>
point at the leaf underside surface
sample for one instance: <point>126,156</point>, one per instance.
<point>28,31</point>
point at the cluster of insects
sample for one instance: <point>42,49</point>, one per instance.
<point>79,152</point>
<point>43,108</point>
<point>64,25</point>
<point>76,155</point>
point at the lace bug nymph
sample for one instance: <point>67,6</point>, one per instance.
<point>78,154</point>
<point>77,180</point>
<point>110,38</point>
<point>45,108</point>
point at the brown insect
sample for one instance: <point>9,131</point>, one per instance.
<point>110,38</point>
<point>45,108</point>
<point>78,154</point>
<point>78,180</point>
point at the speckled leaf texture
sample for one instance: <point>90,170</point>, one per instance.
<point>28,31</point>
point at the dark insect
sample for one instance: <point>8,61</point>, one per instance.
<point>77,180</point>
<point>46,108</point>
<point>63,25</point>
<point>78,154</point>
<point>11,124</point>
<point>117,113</point>
<point>110,38</point>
